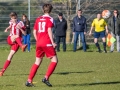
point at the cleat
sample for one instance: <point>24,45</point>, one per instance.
<point>23,47</point>
<point>1,73</point>
<point>28,84</point>
<point>46,82</point>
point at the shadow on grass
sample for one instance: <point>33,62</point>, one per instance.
<point>97,83</point>
<point>65,73</point>
<point>8,85</point>
<point>81,49</point>
<point>16,74</point>
<point>60,73</point>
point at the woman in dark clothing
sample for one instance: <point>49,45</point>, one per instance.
<point>26,38</point>
<point>114,28</point>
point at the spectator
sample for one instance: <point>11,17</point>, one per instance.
<point>26,38</point>
<point>114,27</point>
<point>60,31</point>
<point>79,28</point>
<point>100,26</point>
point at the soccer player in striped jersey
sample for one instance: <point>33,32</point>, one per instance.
<point>44,45</point>
<point>14,39</point>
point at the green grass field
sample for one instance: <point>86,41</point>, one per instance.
<point>75,71</point>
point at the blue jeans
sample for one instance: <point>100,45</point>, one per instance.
<point>26,40</point>
<point>82,36</point>
<point>117,43</point>
<point>58,38</point>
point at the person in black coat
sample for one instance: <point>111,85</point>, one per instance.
<point>60,31</point>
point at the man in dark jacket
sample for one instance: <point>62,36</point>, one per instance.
<point>79,28</point>
<point>60,31</point>
<point>114,27</point>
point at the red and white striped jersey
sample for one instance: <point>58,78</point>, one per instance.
<point>14,30</point>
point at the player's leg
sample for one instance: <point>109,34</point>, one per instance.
<point>51,67</point>
<point>104,44</point>
<point>18,40</point>
<point>13,50</point>
<point>96,36</point>
<point>50,70</point>
<point>33,71</point>
<point>97,44</point>
<point>102,35</point>
<point>50,53</point>
<point>35,66</point>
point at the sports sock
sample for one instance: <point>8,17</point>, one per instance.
<point>50,70</point>
<point>32,72</point>
<point>98,46</point>
<point>104,45</point>
<point>6,64</point>
<point>18,40</point>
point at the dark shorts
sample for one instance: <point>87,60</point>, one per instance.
<point>99,34</point>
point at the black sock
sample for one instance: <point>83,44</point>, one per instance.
<point>104,45</point>
<point>98,46</point>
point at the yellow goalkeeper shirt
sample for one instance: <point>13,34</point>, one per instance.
<point>99,24</point>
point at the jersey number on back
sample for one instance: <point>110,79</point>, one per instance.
<point>42,27</point>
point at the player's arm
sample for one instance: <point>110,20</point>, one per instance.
<point>20,28</point>
<point>106,27</point>
<point>92,26</point>
<point>8,28</point>
<point>51,36</point>
<point>35,34</point>
<point>91,30</point>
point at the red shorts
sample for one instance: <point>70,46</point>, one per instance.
<point>14,45</point>
<point>42,51</point>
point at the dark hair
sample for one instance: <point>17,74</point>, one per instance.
<point>13,14</point>
<point>117,11</point>
<point>47,8</point>
<point>26,18</point>
<point>80,10</point>
<point>60,14</point>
